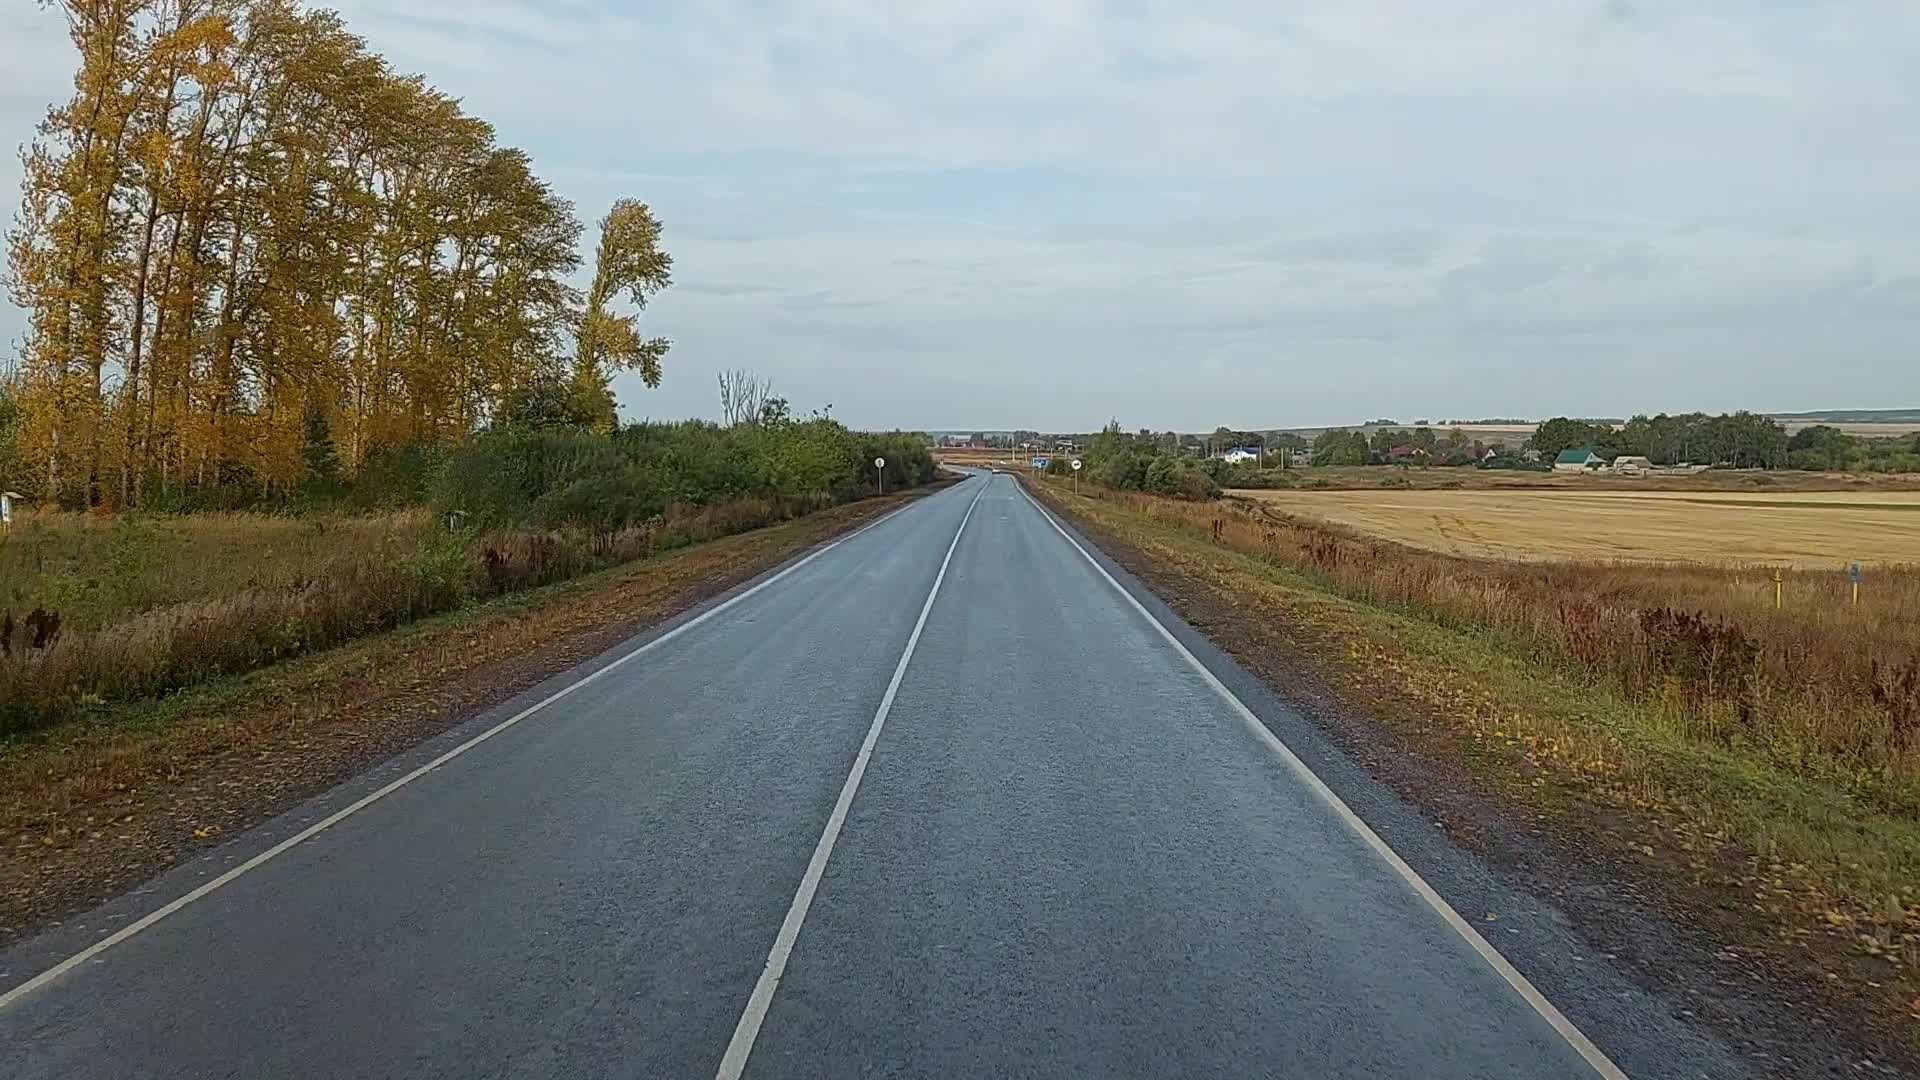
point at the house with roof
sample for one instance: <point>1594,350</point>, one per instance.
<point>1632,465</point>
<point>1578,461</point>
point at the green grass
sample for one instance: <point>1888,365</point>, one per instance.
<point>94,570</point>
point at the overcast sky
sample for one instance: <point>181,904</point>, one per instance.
<point>1183,213</point>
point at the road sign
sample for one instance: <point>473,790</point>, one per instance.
<point>1040,463</point>
<point>1853,573</point>
<point>879,463</point>
<point>1076,464</point>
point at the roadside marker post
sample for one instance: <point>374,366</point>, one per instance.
<point>1853,574</point>
<point>1779,588</point>
<point>880,468</point>
<point>1076,475</point>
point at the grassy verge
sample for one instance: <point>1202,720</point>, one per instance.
<point>99,802</point>
<point>1822,872</point>
<point>259,590</point>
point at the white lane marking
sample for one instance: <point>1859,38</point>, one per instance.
<point>741,1046</point>
<point>308,833</point>
<point>1553,1016</point>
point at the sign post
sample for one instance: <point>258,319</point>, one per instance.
<point>1779,588</point>
<point>1853,575</point>
<point>6,509</point>
<point>880,469</point>
<point>1077,463</point>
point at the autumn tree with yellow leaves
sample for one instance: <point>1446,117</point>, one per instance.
<point>244,232</point>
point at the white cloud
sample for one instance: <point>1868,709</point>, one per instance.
<point>1047,211</point>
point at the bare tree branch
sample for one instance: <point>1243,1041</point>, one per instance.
<point>742,396</point>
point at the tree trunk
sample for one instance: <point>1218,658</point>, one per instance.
<point>136,340</point>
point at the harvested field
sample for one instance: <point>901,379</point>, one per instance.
<point>1806,529</point>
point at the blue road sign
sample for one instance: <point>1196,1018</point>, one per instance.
<point>1039,463</point>
<point>1853,573</point>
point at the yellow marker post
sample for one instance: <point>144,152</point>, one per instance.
<point>1779,588</point>
<point>1853,574</point>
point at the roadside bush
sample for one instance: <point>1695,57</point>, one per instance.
<point>137,606</point>
<point>399,475</point>
<point>1127,471</point>
<point>909,462</point>
<point>1179,479</point>
<point>1163,476</point>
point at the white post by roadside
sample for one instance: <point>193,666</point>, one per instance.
<point>880,467</point>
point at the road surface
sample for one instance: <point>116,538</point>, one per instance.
<point>943,799</point>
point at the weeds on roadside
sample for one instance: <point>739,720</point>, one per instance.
<point>378,578</point>
<point>1819,686</point>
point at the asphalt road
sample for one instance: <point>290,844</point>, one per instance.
<point>1064,851</point>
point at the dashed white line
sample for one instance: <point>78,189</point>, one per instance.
<point>1555,1019</point>
<point>734,1062</point>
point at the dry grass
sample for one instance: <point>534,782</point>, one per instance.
<point>1803,529</point>
<point>1820,688</point>
<point>96,804</point>
<point>1774,757</point>
<point>162,605</point>
<point>96,569</point>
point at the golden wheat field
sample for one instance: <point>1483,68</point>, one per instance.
<point>1806,529</point>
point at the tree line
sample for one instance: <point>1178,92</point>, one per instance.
<point>246,244</point>
<point>1740,440</point>
<point>1419,444</point>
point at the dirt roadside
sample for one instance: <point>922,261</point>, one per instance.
<point>1776,1001</point>
<point>93,808</point>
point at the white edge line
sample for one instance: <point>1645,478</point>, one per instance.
<point>740,1047</point>
<point>147,921</point>
<point>1553,1016</point>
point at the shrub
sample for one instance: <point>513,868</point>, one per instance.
<point>135,606</point>
<point>1163,476</point>
<point>398,475</point>
<point>1168,475</point>
<point>1126,471</point>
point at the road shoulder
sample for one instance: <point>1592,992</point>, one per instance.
<point>1713,966</point>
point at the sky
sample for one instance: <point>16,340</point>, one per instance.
<point>960,214</point>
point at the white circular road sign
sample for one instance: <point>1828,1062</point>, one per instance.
<point>1076,464</point>
<point>879,463</point>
